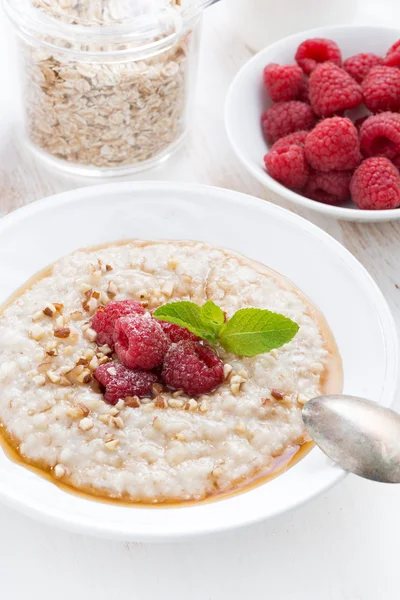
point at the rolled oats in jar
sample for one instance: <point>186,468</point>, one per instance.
<point>107,84</point>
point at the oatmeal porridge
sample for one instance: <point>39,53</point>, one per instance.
<point>124,420</point>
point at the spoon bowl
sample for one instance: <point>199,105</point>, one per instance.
<point>360,436</point>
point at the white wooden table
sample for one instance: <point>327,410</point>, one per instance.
<point>342,546</point>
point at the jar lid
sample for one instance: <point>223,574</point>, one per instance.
<point>105,26</point>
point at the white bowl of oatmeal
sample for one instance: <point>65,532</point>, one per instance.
<point>169,463</point>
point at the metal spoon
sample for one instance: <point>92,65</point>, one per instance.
<point>358,435</point>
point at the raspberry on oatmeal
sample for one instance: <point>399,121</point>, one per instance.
<point>193,368</point>
<point>140,343</point>
<point>105,318</point>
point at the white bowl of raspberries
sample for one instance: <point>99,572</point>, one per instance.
<point>316,118</point>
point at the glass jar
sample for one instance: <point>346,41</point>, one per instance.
<point>107,84</point>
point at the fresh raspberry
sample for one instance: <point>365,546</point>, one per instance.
<point>104,320</point>
<point>120,382</point>
<point>287,117</point>
<point>283,82</point>
<point>359,66</point>
<point>140,342</point>
<point>380,135</point>
<point>176,333</point>
<point>304,95</point>
<point>332,90</point>
<point>392,58</point>
<point>105,373</point>
<point>376,185</point>
<point>288,165</point>
<point>331,187</point>
<point>298,138</point>
<point>333,145</point>
<point>193,368</point>
<point>317,50</point>
<point>381,89</point>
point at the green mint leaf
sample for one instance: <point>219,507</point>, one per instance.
<point>254,331</point>
<point>187,314</point>
<point>211,313</point>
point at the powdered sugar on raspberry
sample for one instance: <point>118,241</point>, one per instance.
<point>140,342</point>
<point>193,368</point>
<point>104,319</point>
<point>176,333</point>
<point>120,382</point>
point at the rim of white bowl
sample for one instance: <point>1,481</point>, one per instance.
<point>334,474</point>
<point>339,212</point>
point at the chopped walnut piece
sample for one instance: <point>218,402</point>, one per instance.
<point>191,405</point>
<point>96,295</point>
<point>157,423</point>
<point>83,408</point>
<point>132,401</point>
<point>109,268</point>
<point>105,349</point>
<point>204,406</point>
<point>118,422</point>
<point>175,403</point>
<point>51,348</point>
<point>160,402</point>
<point>103,360</point>
<point>90,334</point>
<point>38,316</point>
<point>94,363</point>
<point>86,424</point>
<point>85,376</point>
<point>82,361</point>
<point>112,289</point>
<point>49,310</point>
<point>227,370</point>
<point>39,380</point>
<point>59,322</point>
<point>37,333</point>
<point>58,306</point>
<point>302,399</point>
<point>53,376</point>
<point>62,332</point>
<point>76,315</point>
<point>157,388</point>
<point>277,394</point>
<point>111,444</point>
